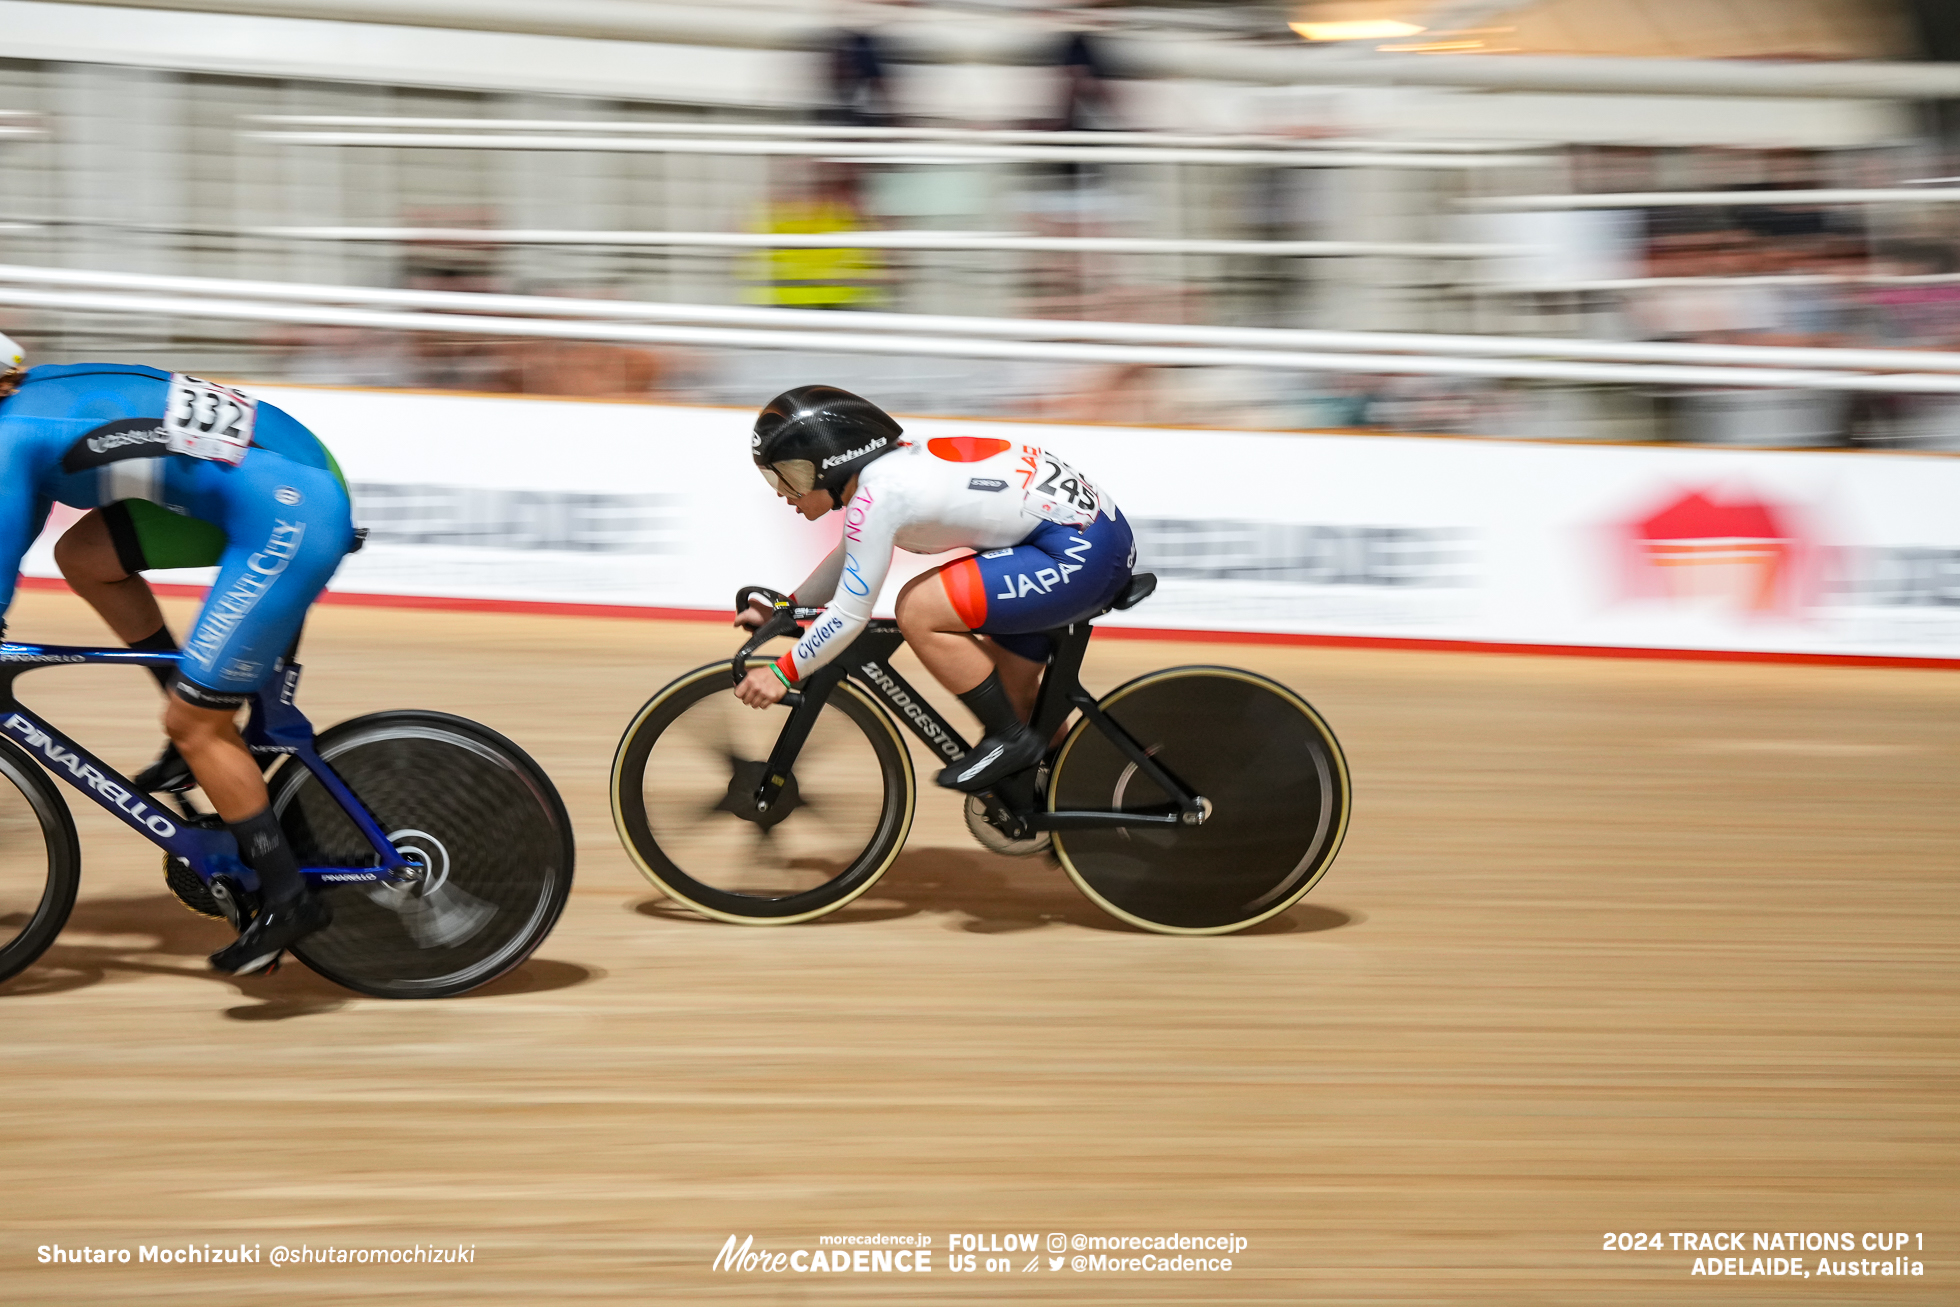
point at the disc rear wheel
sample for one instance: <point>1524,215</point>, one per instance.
<point>466,806</point>
<point>1271,773</point>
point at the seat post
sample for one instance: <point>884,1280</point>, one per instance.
<point>1059,682</point>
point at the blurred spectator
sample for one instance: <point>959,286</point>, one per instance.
<point>1339,401</point>
<point>587,369</point>
<point>344,356</point>
<point>1441,405</point>
<point>860,94</point>
<point>1785,170</point>
<point>1086,103</point>
<point>815,198</point>
<point>1917,314</point>
<point>1121,394</point>
<point>593,369</point>
<point>1718,287</point>
<point>440,362</point>
<point>1692,305</point>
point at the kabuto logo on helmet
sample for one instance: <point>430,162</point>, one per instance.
<point>850,454</point>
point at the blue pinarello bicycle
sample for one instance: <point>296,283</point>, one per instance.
<point>444,849</point>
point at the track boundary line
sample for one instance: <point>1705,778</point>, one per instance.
<point>628,612</point>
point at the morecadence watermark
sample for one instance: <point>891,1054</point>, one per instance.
<point>992,1253</point>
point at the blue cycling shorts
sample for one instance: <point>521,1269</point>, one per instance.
<point>286,531</point>
<point>1059,574</point>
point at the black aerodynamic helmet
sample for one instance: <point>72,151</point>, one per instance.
<point>816,437</point>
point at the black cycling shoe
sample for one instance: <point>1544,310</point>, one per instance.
<point>169,774</point>
<point>993,760</point>
<point>271,933</point>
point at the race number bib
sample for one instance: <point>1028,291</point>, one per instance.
<point>1056,492</point>
<point>207,420</point>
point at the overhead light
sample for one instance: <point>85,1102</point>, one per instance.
<point>1360,29</point>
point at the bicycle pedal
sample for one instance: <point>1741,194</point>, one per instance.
<point>237,904</point>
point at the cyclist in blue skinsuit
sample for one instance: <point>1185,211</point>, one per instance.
<point>183,473</point>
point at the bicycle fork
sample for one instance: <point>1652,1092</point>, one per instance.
<point>774,785</point>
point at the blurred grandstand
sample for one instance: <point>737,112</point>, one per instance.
<point>1728,221</point>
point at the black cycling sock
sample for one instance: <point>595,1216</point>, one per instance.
<point>991,705</point>
<point>262,846</point>
<point>158,641</point>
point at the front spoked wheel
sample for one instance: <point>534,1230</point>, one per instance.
<point>469,808</point>
<point>40,862</point>
<point>1263,759</point>
<point>682,782</point>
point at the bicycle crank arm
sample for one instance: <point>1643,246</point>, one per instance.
<point>1163,816</point>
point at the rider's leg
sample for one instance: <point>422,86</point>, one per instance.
<point>1020,675</point>
<point>979,671</point>
<point>282,546</point>
<point>97,566</point>
<point>101,558</point>
<point>208,738</point>
<point>939,634</point>
<point>1057,575</point>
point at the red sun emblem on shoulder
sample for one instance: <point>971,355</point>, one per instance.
<point>967,449</point>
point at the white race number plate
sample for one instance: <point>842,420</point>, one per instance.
<point>207,420</point>
<point>1056,492</point>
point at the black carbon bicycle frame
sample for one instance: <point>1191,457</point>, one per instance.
<point>868,661</point>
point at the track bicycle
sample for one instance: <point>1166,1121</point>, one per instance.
<point>1193,800</point>
<point>445,850</point>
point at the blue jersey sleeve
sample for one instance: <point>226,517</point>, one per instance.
<point>23,513</point>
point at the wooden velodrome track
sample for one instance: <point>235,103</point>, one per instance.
<point>1613,945</point>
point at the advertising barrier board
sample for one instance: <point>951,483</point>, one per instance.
<point>1375,537</point>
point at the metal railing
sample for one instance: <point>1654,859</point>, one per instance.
<point>935,152</point>
<point>1496,357</point>
<point>848,132</point>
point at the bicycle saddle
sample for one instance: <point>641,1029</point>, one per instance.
<point>1136,591</point>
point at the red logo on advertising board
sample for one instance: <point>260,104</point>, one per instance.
<point>1742,553</point>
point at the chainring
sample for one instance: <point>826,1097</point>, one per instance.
<point>190,891</point>
<point>996,840</point>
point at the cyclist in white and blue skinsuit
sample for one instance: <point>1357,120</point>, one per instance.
<point>1052,549</point>
<point>276,522</point>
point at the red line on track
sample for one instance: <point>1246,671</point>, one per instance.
<point>625,612</point>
